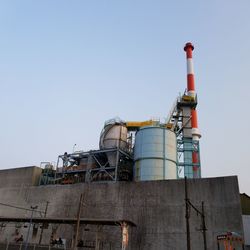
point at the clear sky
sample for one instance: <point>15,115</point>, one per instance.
<point>67,66</point>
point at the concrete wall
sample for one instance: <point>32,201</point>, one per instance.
<point>245,204</point>
<point>246,226</point>
<point>157,207</point>
<point>17,177</point>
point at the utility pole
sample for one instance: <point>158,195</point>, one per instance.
<point>45,213</point>
<point>190,206</point>
<point>78,222</point>
<point>187,215</point>
<point>97,237</point>
<point>27,238</point>
<point>204,229</point>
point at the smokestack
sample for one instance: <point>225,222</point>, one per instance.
<point>190,70</point>
<point>191,90</point>
<point>193,112</point>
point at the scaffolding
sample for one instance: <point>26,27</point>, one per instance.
<point>179,120</point>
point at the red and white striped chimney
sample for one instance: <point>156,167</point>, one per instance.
<point>190,69</point>
<point>191,89</point>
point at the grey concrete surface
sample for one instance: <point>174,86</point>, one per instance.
<point>156,207</point>
<point>246,227</point>
<point>18,177</point>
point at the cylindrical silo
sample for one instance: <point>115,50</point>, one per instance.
<point>155,154</point>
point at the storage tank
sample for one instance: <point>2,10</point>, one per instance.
<point>113,135</point>
<point>155,154</point>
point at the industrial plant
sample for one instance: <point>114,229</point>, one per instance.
<point>139,150</point>
<point>141,190</point>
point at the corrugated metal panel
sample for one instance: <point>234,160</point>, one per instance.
<point>155,154</point>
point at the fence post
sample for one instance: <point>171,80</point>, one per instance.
<point>7,245</point>
<point>20,248</point>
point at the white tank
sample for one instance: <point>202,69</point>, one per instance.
<point>155,154</point>
<point>113,135</point>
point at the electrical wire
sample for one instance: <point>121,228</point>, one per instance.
<point>22,208</point>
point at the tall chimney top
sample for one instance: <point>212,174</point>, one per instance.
<point>189,45</point>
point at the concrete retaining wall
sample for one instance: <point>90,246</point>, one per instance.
<point>156,207</point>
<point>18,177</point>
<point>246,226</point>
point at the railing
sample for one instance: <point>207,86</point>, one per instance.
<point>172,110</point>
<point>21,246</point>
<point>113,121</point>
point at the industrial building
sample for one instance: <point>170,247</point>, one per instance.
<point>142,189</point>
<point>245,206</point>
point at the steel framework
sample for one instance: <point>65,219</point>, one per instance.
<point>179,121</point>
<point>91,166</point>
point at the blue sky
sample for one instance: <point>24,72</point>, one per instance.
<point>67,66</point>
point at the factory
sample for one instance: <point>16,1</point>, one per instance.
<point>141,190</point>
<point>139,150</point>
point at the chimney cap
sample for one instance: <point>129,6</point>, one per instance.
<point>189,45</point>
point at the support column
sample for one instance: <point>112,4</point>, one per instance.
<point>124,227</point>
